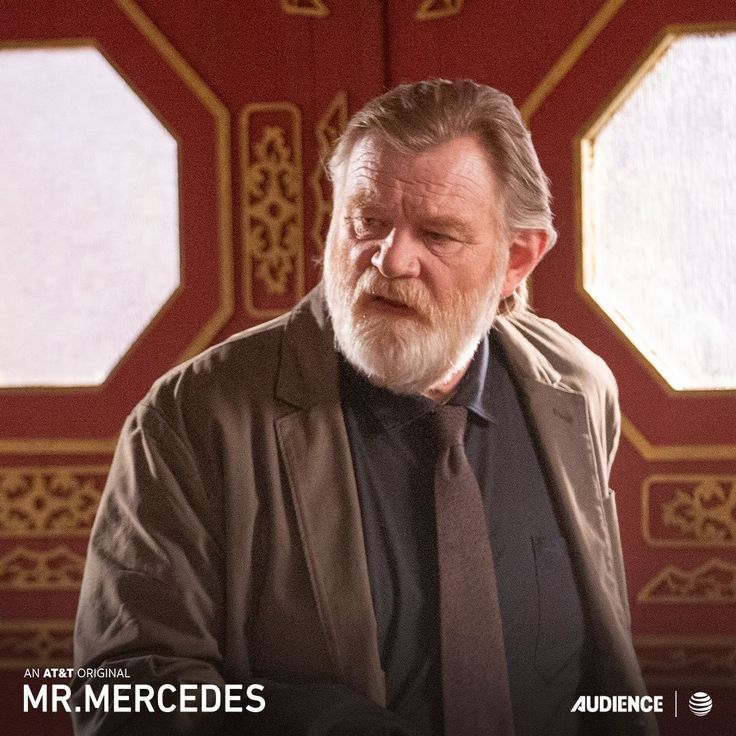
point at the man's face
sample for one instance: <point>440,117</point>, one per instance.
<point>415,261</point>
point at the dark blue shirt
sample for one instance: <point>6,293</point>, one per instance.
<point>393,456</point>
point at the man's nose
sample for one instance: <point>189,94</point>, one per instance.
<point>398,255</point>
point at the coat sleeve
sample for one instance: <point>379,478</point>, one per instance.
<point>151,598</point>
<point>152,606</point>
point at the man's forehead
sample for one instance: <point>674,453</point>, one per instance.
<point>456,169</point>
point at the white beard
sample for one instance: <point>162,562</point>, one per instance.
<point>406,354</point>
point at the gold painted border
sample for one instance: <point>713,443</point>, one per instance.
<point>582,155</point>
<point>85,42</point>
<point>697,679</point>
<point>569,57</point>
<point>646,509</point>
<point>648,451</point>
<point>224,189</point>
<point>55,446</point>
<point>221,115</point>
<point>24,626</point>
<point>245,113</point>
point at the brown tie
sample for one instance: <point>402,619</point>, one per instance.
<point>475,688</point>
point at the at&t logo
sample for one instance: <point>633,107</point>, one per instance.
<point>700,704</point>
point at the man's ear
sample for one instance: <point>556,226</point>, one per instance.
<point>526,250</point>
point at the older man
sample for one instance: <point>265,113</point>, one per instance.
<point>390,506</point>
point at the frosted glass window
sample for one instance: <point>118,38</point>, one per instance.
<point>89,227</point>
<point>659,213</point>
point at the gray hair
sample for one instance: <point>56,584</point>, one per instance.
<point>415,117</point>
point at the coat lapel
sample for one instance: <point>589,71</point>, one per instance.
<point>316,451</point>
<point>559,416</point>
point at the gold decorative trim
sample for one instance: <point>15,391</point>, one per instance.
<point>687,660</point>
<point>689,510</point>
<point>58,446</point>
<point>77,43</point>
<point>572,53</point>
<point>327,131</point>
<point>437,9</point>
<point>49,501</point>
<point>36,643</point>
<point>311,8</point>
<point>224,187</point>
<point>208,332</point>
<point>272,204</point>
<point>673,452</point>
<point>712,583</point>
<point>583,149</point>
<point>27,569</point>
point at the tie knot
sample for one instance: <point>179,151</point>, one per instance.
<point>449,424</point>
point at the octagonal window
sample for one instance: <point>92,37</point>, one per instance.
<point>89,216</point>
<point>659,211</point>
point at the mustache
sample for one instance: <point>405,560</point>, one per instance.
<point>410,292</point>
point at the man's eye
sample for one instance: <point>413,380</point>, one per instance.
<point>436,239</point>
<point>366,227</point>
<point>442,243</point>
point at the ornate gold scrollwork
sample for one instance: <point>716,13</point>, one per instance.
<point>690,510</point>
<point>313,8</point>
<point>713,582</point>
<point>328,129</point>
<point>49,501</point>
<point>436,9</point>
<point>36,643</point>
<point>272,201</point>
<point>59,568</point>
<point>706,513</point>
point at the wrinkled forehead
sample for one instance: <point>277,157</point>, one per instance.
<point>455,170</point>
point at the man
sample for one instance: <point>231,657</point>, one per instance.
<point>390,506</point>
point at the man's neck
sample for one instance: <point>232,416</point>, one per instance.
<point>444,388</point>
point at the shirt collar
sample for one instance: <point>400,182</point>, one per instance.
<point>396,410</point>
<point>473,392</point>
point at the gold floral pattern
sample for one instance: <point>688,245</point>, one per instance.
<point>690,510</point>
<point>36,643</point>
<point>713,582</point>
<point>49,501</point>
<point>59,568</point>
<point>272,202</point>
